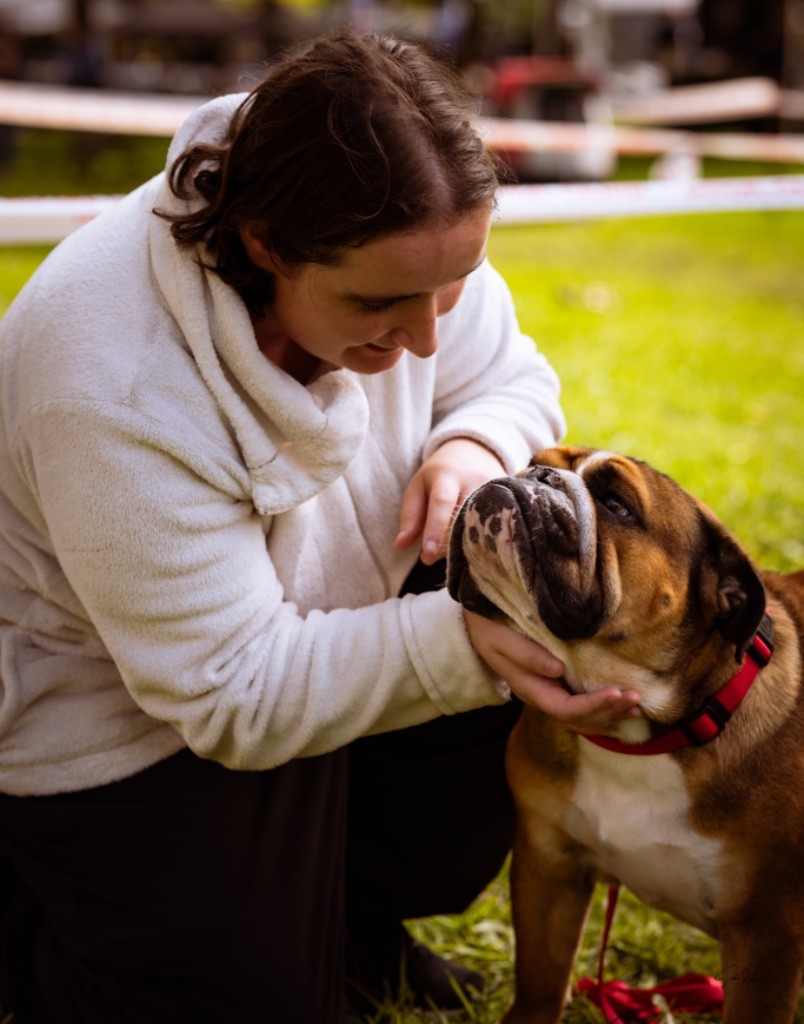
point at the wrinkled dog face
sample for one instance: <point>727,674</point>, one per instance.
<point>605,561</point>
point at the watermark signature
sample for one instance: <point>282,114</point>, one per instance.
<point>738,973</point>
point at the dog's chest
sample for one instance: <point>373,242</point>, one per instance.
<point>631,814</point>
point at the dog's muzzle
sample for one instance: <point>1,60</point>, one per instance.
<point>529,541</point>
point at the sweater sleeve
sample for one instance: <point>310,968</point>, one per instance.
<point>170,564</point>
<point>492,385</point>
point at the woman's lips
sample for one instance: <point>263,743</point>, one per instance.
<point>381,348</point>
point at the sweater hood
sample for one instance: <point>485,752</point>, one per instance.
<point>294,440</point>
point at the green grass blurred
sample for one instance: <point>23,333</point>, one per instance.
<point>54,163</point>
<point>679,340</point>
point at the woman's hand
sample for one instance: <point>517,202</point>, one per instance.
<point>442,483</point>
<point>533,673</point>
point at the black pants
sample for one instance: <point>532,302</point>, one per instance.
<point>190,893</point>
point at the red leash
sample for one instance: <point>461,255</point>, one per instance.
<point>621,1004</point>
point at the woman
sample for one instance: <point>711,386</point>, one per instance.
<point>225,430</point>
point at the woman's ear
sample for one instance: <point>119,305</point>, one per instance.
<point>258,250</point>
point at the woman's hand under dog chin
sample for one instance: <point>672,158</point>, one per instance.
<point>534,675</point>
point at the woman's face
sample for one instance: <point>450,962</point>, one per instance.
<point>381,300</point>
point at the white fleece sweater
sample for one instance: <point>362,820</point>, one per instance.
<point>197,550</point>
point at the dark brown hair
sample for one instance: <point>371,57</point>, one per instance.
<point>347,141</point>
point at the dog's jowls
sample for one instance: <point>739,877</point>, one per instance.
<point>634,583</point>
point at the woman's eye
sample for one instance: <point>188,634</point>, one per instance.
<point>615,505</point>
<point>375,307</point>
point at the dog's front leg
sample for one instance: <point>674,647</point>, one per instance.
<point>551,893</point>
<point>761,973</point>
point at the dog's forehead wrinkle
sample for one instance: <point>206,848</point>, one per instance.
<point>639,477</point>
<point>574,498</point>
<point>587,525</point>
<point>592,460</point>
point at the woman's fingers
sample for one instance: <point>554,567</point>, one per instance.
<point>427,510</point>
<point>412,513</point>
<point>532,673</point>
<point>441,504</point>
<point>591,713</point>
<point>437,489</point>
<point>508,653</point>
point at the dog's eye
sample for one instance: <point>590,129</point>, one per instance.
<point>617,506</point>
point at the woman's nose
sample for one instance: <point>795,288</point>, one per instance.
<point>417,330</point>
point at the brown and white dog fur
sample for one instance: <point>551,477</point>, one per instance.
<point>634,583</point>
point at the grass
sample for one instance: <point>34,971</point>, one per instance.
<point>679,340</point>
<point>56,163</point>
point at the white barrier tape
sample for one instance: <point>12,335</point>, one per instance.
<point>529,204</point>
<point>95,110</point>
<point>46,221</point>
<point>708,103</point>
<point>516,136</point>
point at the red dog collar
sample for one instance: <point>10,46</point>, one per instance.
<point>703,726</point>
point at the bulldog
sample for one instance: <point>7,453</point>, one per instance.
<point>697,806</point>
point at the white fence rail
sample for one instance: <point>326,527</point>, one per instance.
<point>92,110</point>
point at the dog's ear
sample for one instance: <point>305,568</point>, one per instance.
<point>740,595</point>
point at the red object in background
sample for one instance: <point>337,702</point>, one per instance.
<point>512,75</point>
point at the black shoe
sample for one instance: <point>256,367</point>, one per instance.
<point>394,967</point>
<point>437,982</point>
